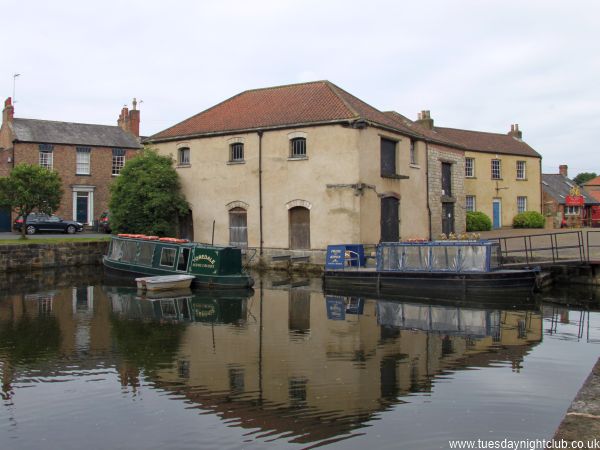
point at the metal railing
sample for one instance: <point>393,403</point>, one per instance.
<point>543,249</point>
<point>593,246</point>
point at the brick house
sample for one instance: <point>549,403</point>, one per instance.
<point>86,156</point>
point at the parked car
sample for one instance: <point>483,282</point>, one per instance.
<point>43,222</point>
<point>105,222</point>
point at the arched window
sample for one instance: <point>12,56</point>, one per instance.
<point>236,152</point>
<point>238,227</point>
<point>299,218</point>
<point>298,147</point>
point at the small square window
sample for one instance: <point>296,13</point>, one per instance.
<point>236,152</point>
<point>298,148</point>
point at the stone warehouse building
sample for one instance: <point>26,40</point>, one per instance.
<point>86,156</point>
<point>306,165</point>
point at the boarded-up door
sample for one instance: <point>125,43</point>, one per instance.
<point>447,179</point>
<point>299,228</point>
<point>447,218</point>
<point>4,219</point>
<point>388,158</point>
<point>390,219</point>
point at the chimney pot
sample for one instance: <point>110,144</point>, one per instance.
<point>9,111</point>
<point>425,120</point>
<point>563,169</point>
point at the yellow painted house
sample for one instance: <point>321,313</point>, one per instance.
<point>502,172</point>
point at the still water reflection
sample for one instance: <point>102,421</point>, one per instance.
<point>102,366</point>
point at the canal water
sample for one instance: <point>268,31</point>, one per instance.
<point>87,362</point>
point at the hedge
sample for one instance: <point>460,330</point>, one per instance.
<point>478,221</point>
<point>529,219</point>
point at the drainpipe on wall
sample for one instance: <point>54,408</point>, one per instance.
<point>541,191</point>
<point>427,183</point>
<point>260,202</point>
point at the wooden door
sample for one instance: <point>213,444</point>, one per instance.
<point>388,158</point>
<point>447,218</point>
<point>299,228</point>
<point>390,219</point>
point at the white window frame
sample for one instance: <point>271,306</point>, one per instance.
<point>521,204</point>
<point>118,162</point>
<point>473,206</point>
<point>470,168</point>
<point>522,167</point>
<point>46,159</point>
<point>496,171</point>
<point>83,161</point>
<point>572,210</point>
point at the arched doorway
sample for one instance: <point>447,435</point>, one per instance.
<point>299,218</point>
<point>390,219</point>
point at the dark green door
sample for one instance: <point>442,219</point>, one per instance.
<point>82,207</point>
<point>4,219</point>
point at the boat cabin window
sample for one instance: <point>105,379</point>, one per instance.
<point>167,257</point>
<point>184,256</point>
<point>116,250</point>
<point>146,252</point>
<point>129,251</point>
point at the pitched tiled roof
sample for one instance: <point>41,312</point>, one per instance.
<point>487,142</point>
<point>594,194</point>
<point>593,182</point>
<point>558,187</point>
<point>52,132</point>
<point>296,104</point>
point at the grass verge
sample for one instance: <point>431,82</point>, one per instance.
<point>57,240</point>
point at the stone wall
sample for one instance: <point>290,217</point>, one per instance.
<point>436,156</point>
<point>44,256</point>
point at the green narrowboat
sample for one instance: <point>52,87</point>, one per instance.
<point>212,266</point>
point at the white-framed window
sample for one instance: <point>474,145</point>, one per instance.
<point>413,153</point>
<point>572,210</point>
<point>236,152</point>
<point>298,147</point>
<point>470,203</point>
<point>118,160</point>
<point>183,156</point>
<point>496,169</point>
<point>46,159</point>
<point>521,170</point>
<point>521,204</point>
<point>238,227</point>
<point>469,167</point>
<point>83,161</point>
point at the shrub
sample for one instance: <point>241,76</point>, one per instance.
<point>529,219</point>
<point>478,221</point>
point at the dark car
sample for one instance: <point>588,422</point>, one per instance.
<point>43,222</point>
<point>105,222</point>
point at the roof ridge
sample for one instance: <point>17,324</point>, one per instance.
<point>474,131</point>
<point>71,123</point>
<point>267,88</point>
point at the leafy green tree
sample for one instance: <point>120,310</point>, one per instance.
<point>146,197</point>
<point>584,177</point>
<point>30,188</point>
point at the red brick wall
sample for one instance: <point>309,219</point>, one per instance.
<point>64,162</point>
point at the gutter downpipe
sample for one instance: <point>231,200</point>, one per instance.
<point>260,201</point>
<point>427,183</point>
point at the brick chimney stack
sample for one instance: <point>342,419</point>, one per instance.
<point>425,120</point>
<point>515,132</point>
<point>130,120</point>
<point>9,111</point>
<point>563,169</point>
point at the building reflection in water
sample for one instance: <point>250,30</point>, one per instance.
<point>290,361</point>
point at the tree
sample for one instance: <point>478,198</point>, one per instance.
<point>584,177</point>
<point>30,188</point>
<point>146,197</point>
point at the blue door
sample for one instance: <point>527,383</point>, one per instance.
<point>4,219</point>
<point>497,213</point>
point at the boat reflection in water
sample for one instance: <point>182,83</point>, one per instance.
<point>317,367</point>
<point>293,364</point>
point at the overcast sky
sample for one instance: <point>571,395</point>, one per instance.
<point>480,65</point>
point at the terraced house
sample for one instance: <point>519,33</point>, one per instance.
<point>502,173</point>
<point>86,156</point>
<point>301,166</point>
